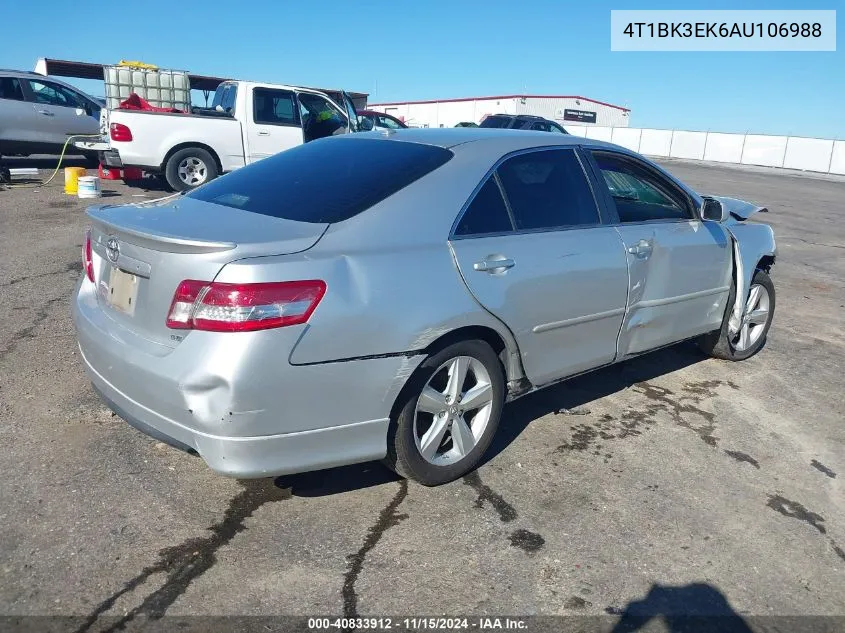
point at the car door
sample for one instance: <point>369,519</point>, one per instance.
<point>59,112</point>
<point>680,267</point>
<point>532,250</point>
<point>351,112</point>
<point>17,118</point>
<point>274,124</point>
<point>322,117</point>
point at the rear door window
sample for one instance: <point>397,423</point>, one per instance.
<point>329,180</point>
<point>274,107</point>
<point>548,189</point>
<point>10,88</point>
<point>486,213</point>
<point>49,93</point>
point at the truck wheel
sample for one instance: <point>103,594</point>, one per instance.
<point>757,315</point>
<point>189,168</point>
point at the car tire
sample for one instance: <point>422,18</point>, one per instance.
<point>755,325</point>
<point>413,448</point>
<point>189,168</point>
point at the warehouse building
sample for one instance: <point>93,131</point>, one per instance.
<point>561,108</point>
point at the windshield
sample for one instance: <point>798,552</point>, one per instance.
<point>329,180</point>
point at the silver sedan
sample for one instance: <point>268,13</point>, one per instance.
<point>382,295</point>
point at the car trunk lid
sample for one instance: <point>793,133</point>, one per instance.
<point>142,252</point>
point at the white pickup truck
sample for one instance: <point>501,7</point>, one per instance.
<point>247,121</point>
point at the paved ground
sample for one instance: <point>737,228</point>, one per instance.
<point>680,482</point>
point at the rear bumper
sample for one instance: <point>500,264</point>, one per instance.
<point>305,418</point>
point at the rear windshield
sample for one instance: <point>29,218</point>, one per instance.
<point>328,180</point>
<point>496,121</point>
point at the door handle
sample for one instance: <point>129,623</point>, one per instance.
<point>263,133</point>
<point>641,250</point>
<point>493,265</point>
<point>46,113</point>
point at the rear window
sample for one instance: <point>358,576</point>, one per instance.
<point>496,121</point>
<point>329,180</point>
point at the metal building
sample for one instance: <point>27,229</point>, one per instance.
<point>561,108</point>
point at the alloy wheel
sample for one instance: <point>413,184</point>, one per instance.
<point>453,411</point>
<point>755,315</point>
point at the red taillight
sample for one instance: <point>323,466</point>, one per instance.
<point>219,307</point>
<point>87,259</point>
<point>120,132</point>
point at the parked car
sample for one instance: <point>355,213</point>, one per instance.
<point>38,113</point>
<point>466,124</point>
<point>372,120</point>
<point>247,121</point>
<point>522,122</point>
<point>302,313</point>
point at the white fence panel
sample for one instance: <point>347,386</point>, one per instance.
<point>688,144</point>
<point>724,148</point>
<point>837,162</point>
<point>793,152</point>
<point>627,137</point>
<point>655,142</point>
<point>812,154</point>
<point>764,150</point>
<point>600,133</point>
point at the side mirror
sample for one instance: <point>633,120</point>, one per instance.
<point>713,210</point>
<point>365,124</point>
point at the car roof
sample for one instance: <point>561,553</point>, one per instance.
<point>12,71</point>
<point>28,74</point>
<point>518,116</point>
<point>510,140</point>
<point>377,113</point>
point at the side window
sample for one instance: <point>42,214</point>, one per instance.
<point>640,195</point>
<point>53,94</point>
<point>486,213</point>
<point>548,189</point>
<point>541,126</point>
<point>556,129</point>
<point>10,88</point>
<point>274,107</point>
<point>389,123</point>
<point>320,108</point>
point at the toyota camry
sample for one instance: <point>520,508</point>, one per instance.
<point>382,295</point>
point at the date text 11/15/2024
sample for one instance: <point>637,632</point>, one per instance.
<point>419,624</point>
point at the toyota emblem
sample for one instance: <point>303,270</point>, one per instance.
<point>112,249</point>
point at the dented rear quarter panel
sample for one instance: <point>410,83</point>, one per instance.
<point>392,284</point>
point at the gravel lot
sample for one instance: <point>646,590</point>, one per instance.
<point>672,483</point>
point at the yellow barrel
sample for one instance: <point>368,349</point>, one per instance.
<point>72,175</point>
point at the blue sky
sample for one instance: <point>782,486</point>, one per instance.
<point>436,49</point>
